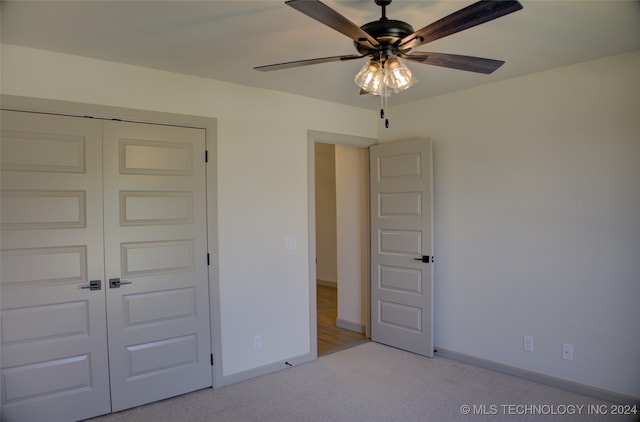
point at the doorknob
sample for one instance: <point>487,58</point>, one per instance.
<point>93,285</point>
<point>115,283</point>
<point>425,258</point>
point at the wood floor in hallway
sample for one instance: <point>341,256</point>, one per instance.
<point>330,337</point>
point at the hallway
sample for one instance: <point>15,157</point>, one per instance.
<point>330,337</point>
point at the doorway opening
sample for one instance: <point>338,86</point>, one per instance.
<point>342,246</point>
<point>398,222</point>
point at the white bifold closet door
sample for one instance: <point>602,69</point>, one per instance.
<point>86,201</point>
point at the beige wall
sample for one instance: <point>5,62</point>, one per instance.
<point>536,206</point>
<point>342,226</point>
<point>352,204</point>
<point>537,219</point>
<point>326,243</point>
<point>264,289</point>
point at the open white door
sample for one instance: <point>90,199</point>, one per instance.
<point>401,245</point>
<point>54,334</point>
<point>156,245</point>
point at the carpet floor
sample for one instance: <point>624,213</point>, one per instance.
<point>372,382</point>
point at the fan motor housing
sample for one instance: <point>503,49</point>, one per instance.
<point>386,31</point>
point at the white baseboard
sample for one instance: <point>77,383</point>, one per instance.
<point>350,325</point>
<point>267,369</point>
<point>567,385</point>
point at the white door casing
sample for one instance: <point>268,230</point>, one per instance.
<point>54,337</point>
<point>401,235</point>
<point>155,220</point>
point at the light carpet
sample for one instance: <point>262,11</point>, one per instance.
<point>373,382</point>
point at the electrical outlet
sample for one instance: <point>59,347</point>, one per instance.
<point>567,351</point>
<point>257,342</point>
<point>527,343</point>
<point>290,242</point>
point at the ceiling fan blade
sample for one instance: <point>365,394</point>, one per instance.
<point>468,17</point>
<point>326,15</point>
<point>306,62</point>
<point>455,61</point>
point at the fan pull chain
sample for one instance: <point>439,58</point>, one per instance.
<point>384,105</point>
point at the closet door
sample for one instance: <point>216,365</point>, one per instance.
<point>54,340</point>
<point>155,244</point>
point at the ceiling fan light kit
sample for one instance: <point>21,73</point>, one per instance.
<point>393,73</point>
<point>389,42</point>
<point>370,77</point>
<point>397,75</point>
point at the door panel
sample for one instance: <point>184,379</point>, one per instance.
<point>56,239</point>
<point>401,233</point>
<point>54,351</point>
<point>155,215</point>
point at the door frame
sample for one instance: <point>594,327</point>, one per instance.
<point>46,106</point>
<point>314,136</point>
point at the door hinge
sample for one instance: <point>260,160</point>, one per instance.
<point>208,260</point>
<point>206,156</point>
<point>212,360</point>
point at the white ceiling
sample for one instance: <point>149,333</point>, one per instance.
<point>224,40</point>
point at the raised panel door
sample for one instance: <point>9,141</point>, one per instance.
<point>54,342</point>
<point>401,234</point>
<point>155,243</point>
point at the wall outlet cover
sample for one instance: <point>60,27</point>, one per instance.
<point>527,343</point>
<point>290,242</point>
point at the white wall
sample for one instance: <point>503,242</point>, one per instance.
<point>325,184</point>
<point>352,223</point>
<point>537,219</point>
<point>262,182</point>
<point>536,202</point>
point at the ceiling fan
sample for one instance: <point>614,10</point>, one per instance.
<point>387,40</point>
